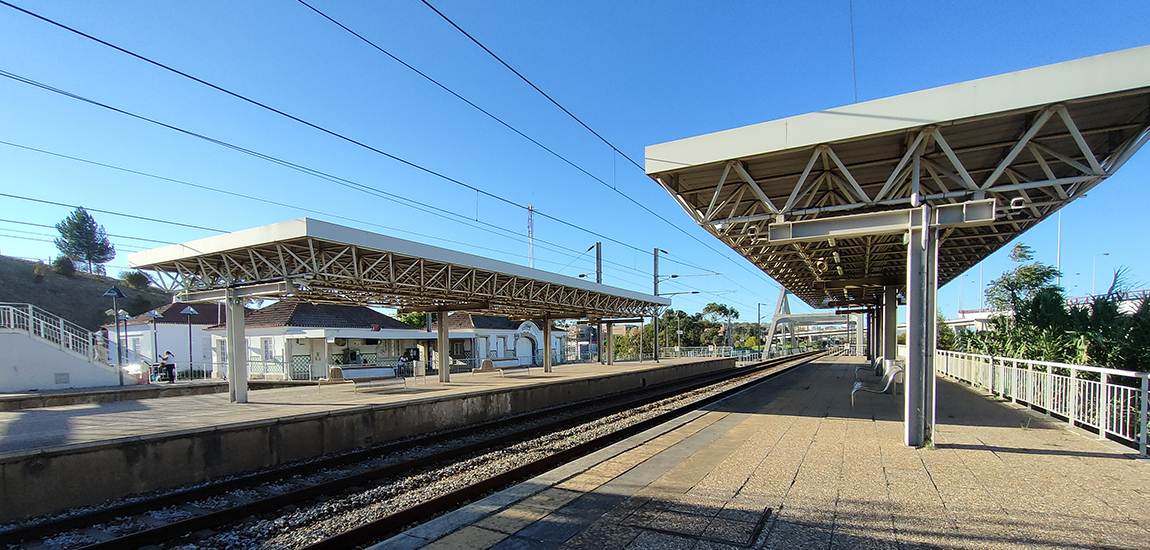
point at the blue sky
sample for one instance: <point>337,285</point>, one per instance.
<point>638,73</point>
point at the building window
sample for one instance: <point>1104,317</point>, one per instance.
<point>457,348</point>
<point>269,353</point>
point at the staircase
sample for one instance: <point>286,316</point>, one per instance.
<point>56,354</point>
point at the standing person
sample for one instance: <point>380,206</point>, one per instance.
<point>168,361</point>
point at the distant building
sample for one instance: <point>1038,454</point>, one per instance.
<point>171,334</point>
<point>299,341</point>
<point>475,337</point>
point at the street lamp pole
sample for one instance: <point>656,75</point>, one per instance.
<point>115,293</point>
<point>679,334</point>
<point>656,316</point>
<point>153,315</point>
<point>1094,273</point>
<point>189,311</point>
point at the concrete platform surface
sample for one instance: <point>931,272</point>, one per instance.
<point>34,429</point>
<point>791,465</point>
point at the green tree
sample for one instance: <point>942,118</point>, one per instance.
<point>64,266</point>
<point>136,279</point>
<point>945,337</point>
<point>1019,285</point>
<point>83,239</point>
<point>722,312</point>
<point>417,320</point>
<point>39,272</point>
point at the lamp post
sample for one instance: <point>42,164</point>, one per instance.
<point>679,334</point>
<point>189,311</point>
<point>678,330</point>
<point>115,294</point>
<point>759,325</point>
<point>153,315</point>
<point>1094,273</point>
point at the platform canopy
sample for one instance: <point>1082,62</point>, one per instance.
<point>821,202</point>
<point>316,261</point>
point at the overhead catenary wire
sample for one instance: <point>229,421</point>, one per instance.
<point>44,225</point>
<point>505,123</point>
<point>532,84</point>
<point>389,155</point>
<point>596,134</point>
<point>111,213</point>
<point>447,214</point>
<point>281,113</point>
<point>288,164</point>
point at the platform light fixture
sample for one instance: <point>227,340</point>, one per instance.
<point>189,311</point>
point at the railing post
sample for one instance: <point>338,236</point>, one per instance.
<point>1103,417</point>
<point>31,321</point>
<point>1073,412</point>
<point>63,335</point>
<point>1049,386</point>
<point>1031,394</point>
<point>1142,417</point>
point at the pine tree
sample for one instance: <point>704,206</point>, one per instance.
<point>83,239</point>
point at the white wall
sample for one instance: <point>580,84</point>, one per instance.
<point>28,364</point>
<point>169,336</point>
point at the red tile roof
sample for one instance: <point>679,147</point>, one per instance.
<point>302,314</point>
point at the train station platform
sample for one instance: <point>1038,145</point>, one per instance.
<point>57,457</point>
<point>790,465</point>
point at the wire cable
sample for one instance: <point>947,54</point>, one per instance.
<point>111,213</point>
<point>589,129</point>
<point>281,113</point>
<point>44,225</point>
<point>364,145</point>
<point>282,162</point>
<point>446,214</point>
<point>532,84</point>
<point>501,121</point>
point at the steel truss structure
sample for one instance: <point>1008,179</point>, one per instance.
<point>1033,141</point>
<point>315,261</point>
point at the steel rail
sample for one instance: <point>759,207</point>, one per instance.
<point>160,533</point>
<point>396,522</point>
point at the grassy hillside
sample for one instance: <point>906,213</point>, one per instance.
<point>78,299</point>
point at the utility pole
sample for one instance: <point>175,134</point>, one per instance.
<point>599,262</point>
<point>530,236</point>
<point>656,316</point>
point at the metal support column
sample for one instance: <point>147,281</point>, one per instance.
<point>610,343</point>
<point>921,289</point>
<point>237,348</point>
<point>859,350</point>
<point>889,324</point>
<point>442,345</point>
<point>546,345</point>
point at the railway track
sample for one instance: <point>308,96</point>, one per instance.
<point>402,475</point>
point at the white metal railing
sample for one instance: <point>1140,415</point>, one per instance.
<point>1113,402</point>
<point>47,326</point>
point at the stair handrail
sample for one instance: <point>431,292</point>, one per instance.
<point>48,326</point>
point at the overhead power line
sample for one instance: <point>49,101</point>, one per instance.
<point>111,213</point>
<point>288,164</point>
<point>446,214</point>
<point>279,112</point>
<point>342,136</point>
<point>532,84</point>
<point>44,225</point>
<point>596,134</point>
<point>503,122</point>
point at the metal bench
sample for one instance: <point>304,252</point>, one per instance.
<point>890,380</point>
<point>503,366</point>
<point>366,375</point>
